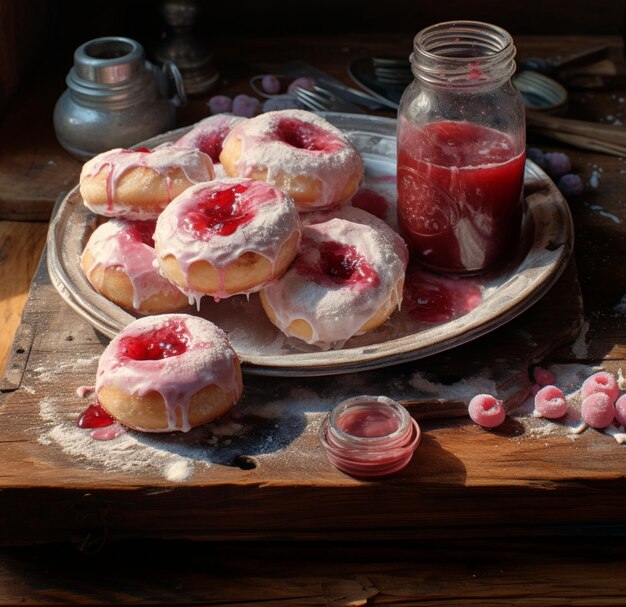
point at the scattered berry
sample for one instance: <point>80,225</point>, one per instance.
<point>550,402</point>
<point>620,409</point>
<point>598,410</point>
<point>537,156</point>
<point>603,382</point>
<point>219,104</point>
<point>302,83</point>
<point>543,377</point>
<point>570,184</point>
<point>557,164</point>
<point>282,102</point>
<point>486,410</point>
<point>270,84</point>
<point>246,106</point>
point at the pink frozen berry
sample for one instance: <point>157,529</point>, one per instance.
<point>219,104</point>
<point>270,84</point>
<point>620,409</point>
<point>550,402</point>
<point>301,83</point>
<point>543,377</point>
<point>246,106</point>
<point>486,410</point>
<point>598,410</point>
<point>601,382</point>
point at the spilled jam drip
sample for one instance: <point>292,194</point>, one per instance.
<point>94,417</point>
<point>370,201</point>
<point>141,231</point>
<point>339,264</point>
<point>304,136</point>
<point>165,342</point>
<point>220,212</point>
<point>430,298</point>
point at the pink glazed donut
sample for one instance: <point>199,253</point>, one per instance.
<point>298,152</point>
<point>346,280</point>
<point>139,184</point>
<point>168,372</point>
<point>227,237</point>
<point>118,261</point>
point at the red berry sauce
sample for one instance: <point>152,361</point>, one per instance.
<point>430,298</point>
<point>141,231</point>
<point>220,212</point>
<point>338,265</point>
<point>370,201</point>
<point>165,342</point>
<point>305,136</point>
<point>94,417</point>
<point>211,143</point>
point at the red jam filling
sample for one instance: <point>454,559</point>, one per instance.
<point>368,422</point>
<point>94,417</point>
<point>304,136</point>
<point>211,143</point>
<point>430,298</point>
<point>220,212</point>
<point>339,264</point>
<point>164,342</point>
<point>142,231</point>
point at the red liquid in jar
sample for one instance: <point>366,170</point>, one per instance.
<point>459,195</point>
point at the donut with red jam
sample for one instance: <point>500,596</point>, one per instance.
<point>298,152</point>
<point>139,184</point>
<point>346,280</point>
<point>168,372</point>
<point>118,261</point>
<point>227,237</point>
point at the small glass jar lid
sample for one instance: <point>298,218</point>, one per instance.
<point>369,436</point>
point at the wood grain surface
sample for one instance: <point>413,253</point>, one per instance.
<point>525,515</point>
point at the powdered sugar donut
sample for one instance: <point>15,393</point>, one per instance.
<point>139,184</point>
<point>208,135</point>
<point>118,262</point>
<point>297,151</point>
<point>346,280</point>
<point>168,372</point>
<point>227,237</point>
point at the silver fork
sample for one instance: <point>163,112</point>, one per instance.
<point>392,71</point>
<point>321,100</point>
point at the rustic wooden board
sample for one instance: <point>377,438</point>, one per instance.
<point>261,473</point>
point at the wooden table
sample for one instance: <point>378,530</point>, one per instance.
<point>511,517</point>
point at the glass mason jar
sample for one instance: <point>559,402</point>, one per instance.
<point>461,149</point>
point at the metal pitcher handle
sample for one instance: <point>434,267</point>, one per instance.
<point>171,69</point>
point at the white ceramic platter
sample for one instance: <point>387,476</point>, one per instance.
<point>263,350</point>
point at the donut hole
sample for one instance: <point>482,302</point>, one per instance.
<point>338,264</point>
<point>165,342</point>
<point>141,231</point>
<point>301,135</point>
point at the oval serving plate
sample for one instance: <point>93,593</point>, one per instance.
<point>263,350</point>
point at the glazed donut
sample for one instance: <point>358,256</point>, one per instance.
<point>298,152</point>
<point>168,372</point>
<point>227,237</point>
<point>346,280</point>
<point>139,184</point>
<point>208,135</point>
<point>118,263</point>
